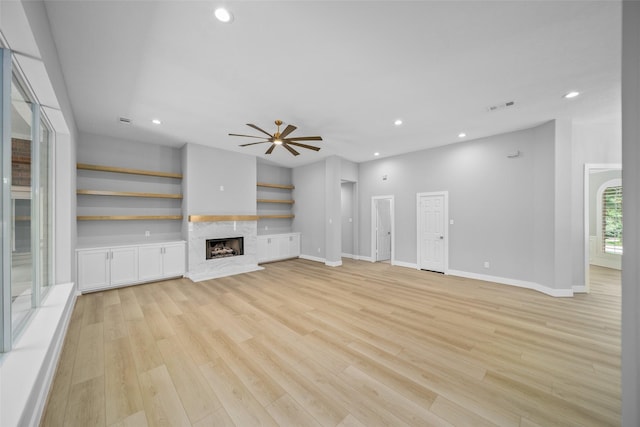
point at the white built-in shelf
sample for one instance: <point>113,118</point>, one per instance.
<point>127,217</point>
<point>289,202</point>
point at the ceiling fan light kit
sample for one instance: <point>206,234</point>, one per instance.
<point>281,138</point>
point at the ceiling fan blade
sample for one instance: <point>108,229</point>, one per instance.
<point>248,136</point>
<point>253,143</point>
<point>258,129</point>
<point>287,131</point>
<point>310,147</point>
<point>305,138</point>
<point>291,150</point>
<point>270,150</point>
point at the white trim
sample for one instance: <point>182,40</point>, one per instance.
<point>446,227</point>
<point>333,263</point>
<point>405,264</point>
<point>580,290</point>
<point>514,282</point>
<point>28,369</point>
<point>313,258</point>
<point>350,256</point>
<point>374,234</point>
<point>365,258</point>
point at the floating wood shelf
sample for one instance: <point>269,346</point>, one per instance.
<point>129,194</point>
<point>284,187</point>
<point>99,168</point>
<point>215,218</point>
<point>289,202</point>
<point>276,216</point>
<point>127,217</point>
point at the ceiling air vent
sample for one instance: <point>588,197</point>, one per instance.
<point>124,120</point>
<point>501,106</point>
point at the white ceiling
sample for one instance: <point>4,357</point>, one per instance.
<point>344,70</point>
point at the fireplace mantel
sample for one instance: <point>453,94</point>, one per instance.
<point>216,218</point>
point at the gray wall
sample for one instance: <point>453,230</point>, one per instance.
<point>108,151</point>
<point>495,201</point>
<point>207,170</point>
<point>631,194</point>
<point>309,208</point>
<point>348,217</point>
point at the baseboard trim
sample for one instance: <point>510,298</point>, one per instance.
<point>558,293</point>
<point>580,289</point>
<point>350,256</point>
<point>333,263</point>
<point>404,264</point>
<point>313,258</point>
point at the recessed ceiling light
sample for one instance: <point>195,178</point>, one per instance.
<point>398,122</point>
<point>223,15</point>
<point>462,135</point>
<point>376,154</point>
<point>124,120</point>
<point>156,121</point>
<point>572,94</point>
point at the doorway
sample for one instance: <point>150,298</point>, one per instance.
<point>601,247</point>
<point>433,236</point>
<point>382,229</point>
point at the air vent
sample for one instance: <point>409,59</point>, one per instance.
<point>501,106</point>
<point>124,120</point>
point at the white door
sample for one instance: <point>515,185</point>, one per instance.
<point>432,232</point>
<point>383,229</point>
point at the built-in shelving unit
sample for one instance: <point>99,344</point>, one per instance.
<point>128,194</point>
<point>262,214</point>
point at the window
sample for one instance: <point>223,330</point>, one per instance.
<point>26,210</point>
<point>612,220</point>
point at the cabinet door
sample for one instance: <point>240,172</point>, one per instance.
<point>93,269</point>
<point>150,262</point>
<point>173,260</point>
<point>282,250</point>
<point>263,249</point>
<point>294,245</point>
<point>124,266</point>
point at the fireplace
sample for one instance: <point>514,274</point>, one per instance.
<point>222,248</point>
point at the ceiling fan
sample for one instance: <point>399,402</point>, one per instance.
<point>281,139</point>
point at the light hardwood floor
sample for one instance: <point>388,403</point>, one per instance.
<point>301,344</point>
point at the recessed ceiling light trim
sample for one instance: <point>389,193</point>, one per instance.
<point>156,121</point>
<point>223,15</point>
<point>397,122</point>
<point>571,94</point>
<point>462,135</point>
<point>124,120</point>
<point>376,154</point>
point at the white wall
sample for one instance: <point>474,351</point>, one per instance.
<point>631,207</point>
<point>348,217</point>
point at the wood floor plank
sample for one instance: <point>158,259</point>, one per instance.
<point>162,404</point>
<point>365,344</point>
<point>86,404</point>
<point>122,390</point>
<point>198,399</point>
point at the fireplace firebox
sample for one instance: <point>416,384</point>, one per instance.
<point>222,248</point>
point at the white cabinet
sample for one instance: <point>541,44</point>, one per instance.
<point>274,247</point>
<point>104,268</point>
<point>161,261</point>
